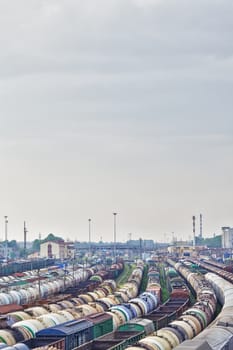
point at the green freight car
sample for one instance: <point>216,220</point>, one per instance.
<point>138,325</point>
<point>102,322</point>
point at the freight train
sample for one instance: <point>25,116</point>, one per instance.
<point>104,298</point>
<point>190,323</point>
<point>23,278</point>
<point>117,340</point>
<point>176,285</point>
<point>219,271</point>
<point>31,286</point>
<point>176,304</point>
<point>153,283</point>
<point>218,264</point>
<point>219,335</point>
<point>24,265</point>
<point>80,330</point>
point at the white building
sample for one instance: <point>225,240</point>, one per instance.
<point>227,237</point>
<point>57,249</point>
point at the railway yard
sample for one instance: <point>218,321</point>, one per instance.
<point>174,304</point>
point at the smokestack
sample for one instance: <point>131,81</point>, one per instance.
<point>194,243</point>
<point>25,238</point>
<point>200,225</point>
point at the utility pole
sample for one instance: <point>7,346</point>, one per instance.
<point>74,284</point>
<point>114,231</point>
<point>89,231</point>
<point>6,242</point>
<point>39,287</point>
<point>25,239</point>
<point>140,248</point>
<point>64,277</point>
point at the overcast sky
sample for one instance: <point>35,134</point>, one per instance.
<point>116,105</point>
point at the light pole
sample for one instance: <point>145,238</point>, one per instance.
<point>114,230</point>
<point>6,245</point>
<point>39,286</point>
<point>74,284</point>
<point>25,239</point>
<point>89,230</point>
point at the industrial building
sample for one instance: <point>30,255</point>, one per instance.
<point>57,249</point>
<point>227,237</point>
<point>181,249</point>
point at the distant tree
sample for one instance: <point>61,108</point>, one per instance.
<point>24,254</point>
<point>213,242</point>
<point>36,245</point>
<point>52,237</point>
<point>13,244</point>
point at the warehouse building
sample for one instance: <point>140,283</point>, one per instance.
<point>227,237</point>
<point>57,249</point>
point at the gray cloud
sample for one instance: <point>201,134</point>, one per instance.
<point>116,105</point>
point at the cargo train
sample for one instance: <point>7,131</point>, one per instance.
<point>219,271</point>
<point>218,264</point>
<point>177,303</point>
<point>190,323</point>
<point>104,298</point>
<point>176,284</point>
<point>26,293</point>
<point>219,335</point>
<point>117,340</point>
<point>103,339</point>
<point>79,331</point>
<point>25,265</point>
<point>153,283</point>
<point>32,287</point>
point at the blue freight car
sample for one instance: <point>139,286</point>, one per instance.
<point>75,332</point>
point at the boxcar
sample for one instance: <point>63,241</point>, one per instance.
<point>102,324</point>
<point>138,325</point>
<point>75,332</point>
